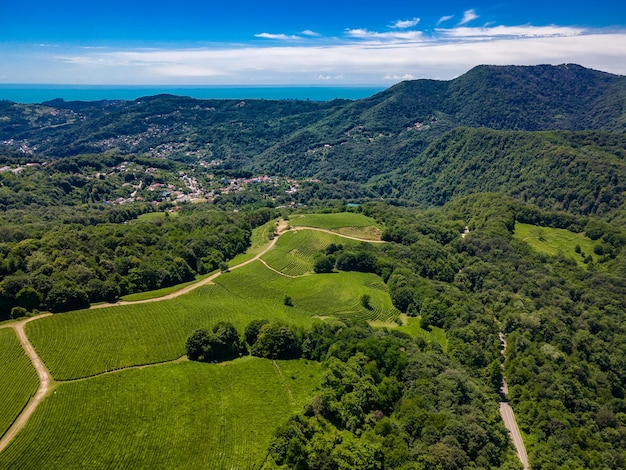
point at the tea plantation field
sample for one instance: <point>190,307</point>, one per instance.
<point>18,378</point>
<point>89,342</point>
<point>183,415</point>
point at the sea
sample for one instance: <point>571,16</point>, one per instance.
<point>28,94</point>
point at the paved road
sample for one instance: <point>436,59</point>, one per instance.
<point>509,418</point>
<point>509,421</point>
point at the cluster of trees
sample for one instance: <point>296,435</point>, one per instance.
<point>262,338</point>
<point>63,267</point>
<point>386,400</point>
<point>335,256</point>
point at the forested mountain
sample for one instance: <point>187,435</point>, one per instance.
<point>580,172</point>
<point>349,140</point>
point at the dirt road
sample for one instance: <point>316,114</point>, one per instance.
<point>45,379</point>
<point>44,382</point>
<point>281,228</point>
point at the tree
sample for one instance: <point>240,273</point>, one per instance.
<point>252,331</point>
<point>196,344</point>
<point>276,341</point>
<point>365,301</point>
<point>65,296</point>
<point>323,264</point>
<point>287,301</point>
<point>223,343</point>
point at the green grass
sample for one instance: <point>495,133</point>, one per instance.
<point>411,325</point>
<point>556,241</point>
<point>88,342</point>
<point>347,223</point>
<point>19,380</point>
<point>155,216</point>
<point>184,415</point>
<point>294,252</point>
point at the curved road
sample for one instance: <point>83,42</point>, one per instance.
<point>45,379</point>
<point>44,382</point>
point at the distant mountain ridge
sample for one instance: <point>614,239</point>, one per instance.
<point>368,140</point>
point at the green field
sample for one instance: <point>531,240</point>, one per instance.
<point>88,342</point>
<point>295,251</point>
<point>346,223</point>
<point>411,325</point>
<point>556,241</point>
<point>19,379</point>
<point>184,415</point>
<point>157,217</point>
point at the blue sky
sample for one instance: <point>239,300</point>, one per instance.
<point>193,42</point>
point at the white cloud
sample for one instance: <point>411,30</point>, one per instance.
<point>356,58</point>
<point>308,32</point>
<point>404,24</point>
<point>509,32</point>
<point>443,19</point>
<point>364,34</point>
<point>469,15</point>
<point>281,37</point>
<point>329,77</point>
<point>395,78</point>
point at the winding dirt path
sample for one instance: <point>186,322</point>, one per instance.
<point>509,418</point>
<point>281,229</point>
<point>45,379</point>
<point>303,227</point>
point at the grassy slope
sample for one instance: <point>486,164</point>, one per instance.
<point>85,343</point>
<point>19,379</point>
<point>346,223</point>
<point>555,241</point>
<point>185,415</point>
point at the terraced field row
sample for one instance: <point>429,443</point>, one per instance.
<point>185,415</point>
<point>294,253</point>
<point>19,379</point>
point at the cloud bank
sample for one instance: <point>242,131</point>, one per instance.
<point>356,56</point>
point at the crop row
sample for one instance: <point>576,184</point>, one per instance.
<point>186,415</point>
<point>19,379</point>
<point>332,221</point>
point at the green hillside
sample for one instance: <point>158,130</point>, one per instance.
<point>182,416</point>
<point>580,172</point>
